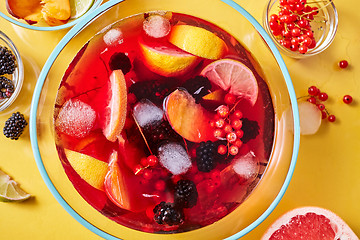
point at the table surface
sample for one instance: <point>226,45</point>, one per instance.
<point>327,166</point>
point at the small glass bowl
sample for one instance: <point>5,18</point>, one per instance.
<point>42,26</point>
<point>17,77</point>
<point>324,27</point>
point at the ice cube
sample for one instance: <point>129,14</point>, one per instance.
<point>246,166</point>
<point>75,118</point>
<point>156,26</point>
<point>113,37</point>
<point>174,158</point>
<point>147,113</point>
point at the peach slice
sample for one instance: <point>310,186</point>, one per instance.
<point>188,118</point>
<point>91,170</point>
<point>29,10</point>
<point>56,12</point>
<point>116,110</point>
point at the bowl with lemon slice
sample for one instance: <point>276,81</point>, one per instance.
<point>162,120</point>
<point>46,15</point>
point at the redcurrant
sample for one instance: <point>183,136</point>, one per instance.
<point>313,91</point>
<point>236,124</point>
<point>223,111</point>
<point>323,96</point>
<point>347,99</point>
<point>331,118</point>
<point>230,99</point>
<point>231,137</point>
<point>312,100</point>
<point>220,123</point>
<point>152,160</point>
<point>233,150</point>
<point>321,106</point>
<point>238,114</point>
<point>343,64</point>
<point>222,149</point>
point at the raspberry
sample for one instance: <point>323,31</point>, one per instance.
<point>185,194</point>
<point>206,156</point>
<point>6,87</point>
<point>7,61</point>
<point>166,213</point>
<point>14,126</point>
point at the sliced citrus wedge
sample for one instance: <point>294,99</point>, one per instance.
<point>309,223</point>
<point>197,41</point>
<point>165,59</point>
<point>233,76</point>
<point>79,7</point>
<point>10,190</point>
<point>91,170</point>
<point>115,114</point>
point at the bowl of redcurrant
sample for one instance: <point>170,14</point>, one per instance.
<point>11,72</point>
<point>301,28</point>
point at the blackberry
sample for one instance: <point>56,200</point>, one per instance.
<point>186,194</point>
<point>206,156</point>
<point>166,213</point>
<point>154,90</point>
<point>6,87</point>
<point>161,132</point>
<point>7,61</point>
<point>120,61</point>
<point>250,128</point>
<point>14,126</point>
<point>198,87</point>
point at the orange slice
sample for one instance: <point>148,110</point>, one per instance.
<point>115,114</point>
<point>233,76</point>
<point>197,41</point>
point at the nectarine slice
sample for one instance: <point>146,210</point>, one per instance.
<point>189,119</point>
<point>29,10</point>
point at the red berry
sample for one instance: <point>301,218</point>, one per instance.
<point>312,100</point>
<point>230,99</point>
<point>152,160</point>
<point>295,41</point>
<point>347,99</point>
<point>323,96</point>
<point>160,185</point>
<point>321,106</point>
<point>313,91</point>
<point>343,64</point>
<point>138,169</point>
<point>238,143</point>
<point>236,124</point>
<point>228,128</point>
<point>222,149</point>
<point>220,123</point>
<point>147,174</point>
<point>323,114</point>
<point>331,118</point>
<point>274,17</point>
<point>144,162</point>
<point>231,137</point>
<point>310,34</point>
<point>233,150</point>
<point>239,133</point>
<point>303,49</point>
<point>295,32</point>
<point>223,111</point>
<point>238,114</point>
<point>219,133</point>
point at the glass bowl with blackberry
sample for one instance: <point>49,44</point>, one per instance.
<point>11,72</point>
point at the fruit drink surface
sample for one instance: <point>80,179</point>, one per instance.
<point>158,146</point>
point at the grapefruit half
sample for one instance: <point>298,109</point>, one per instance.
<point>310,223</point>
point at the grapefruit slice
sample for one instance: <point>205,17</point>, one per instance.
<point>115,186</point>
<point>90,169</point>
<point>115,114</point>
<point>233,76</point>
<point>197,41</point>
<point>165,59</point>
<point>312,223</point>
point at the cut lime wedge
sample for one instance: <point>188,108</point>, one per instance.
<point>79,7</point>
<point>10,191</point>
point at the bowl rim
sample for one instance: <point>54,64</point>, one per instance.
<point>53,28</point>
<point>76,29</point>
<point>18,82</point>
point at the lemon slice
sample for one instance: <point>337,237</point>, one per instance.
<point>10,191</point>
<point>79,7</point>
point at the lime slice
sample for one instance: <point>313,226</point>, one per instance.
<point>79,7</point>
<point>10,191</point>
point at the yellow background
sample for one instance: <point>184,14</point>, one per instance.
<point>328,167</point>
